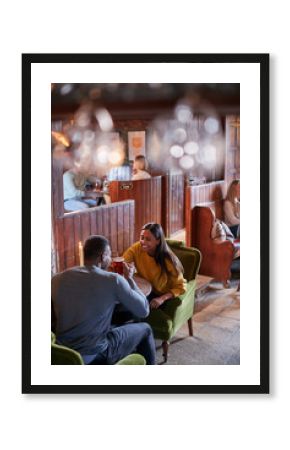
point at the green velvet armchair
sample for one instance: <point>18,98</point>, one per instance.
<point>61,355</point>
<point>166,320</point>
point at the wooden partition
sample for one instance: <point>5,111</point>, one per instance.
<point>114,221</point>
<point>147,196</point>
<point>172,203</point>
<point>204,194</point>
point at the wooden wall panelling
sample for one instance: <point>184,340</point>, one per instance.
<point>155,193</point>
<point>114,221</point>
<point>57,187</point>
<point>106,216</point>
<point>69,240</point>
<point>100,220</point>
<point>189,193</point>
<point>126,222</point>
<point>59,239</point>
<point>119,222</point>
<point>173,204</point>
<point>177,199</point>
<point>85,225</point>
<point>132,221</point>
<point>165,220</point>
<point>54,262</point>
<point>93,222</point>
<point>77,236</point>
<point>232,170</point>
<point>147,196</point>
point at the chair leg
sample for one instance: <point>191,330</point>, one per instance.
<point>190,330</point>
<point>165,345</point>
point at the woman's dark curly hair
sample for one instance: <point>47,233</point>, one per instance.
<point>163,251</point>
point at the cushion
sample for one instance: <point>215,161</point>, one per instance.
<point>175,243</point>
<point>189,259</point>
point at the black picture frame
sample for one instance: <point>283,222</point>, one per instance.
<point>263,61</point>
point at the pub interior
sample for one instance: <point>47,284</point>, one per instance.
<point>186,138</point>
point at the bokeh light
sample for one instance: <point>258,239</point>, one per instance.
<point>211,125</point>
<point>102,154</point>
<point>176,151</point>
<point>116,157</point>
<point>186,162</point>
<point>104,119</point>
<point>191,147</point>
<point>66,89</point>
<point>189,138</point>
<point>180,135</point>
<point>209,155</point>
<point>183,113</point>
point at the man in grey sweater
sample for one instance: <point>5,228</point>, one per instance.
<point>84,299</point>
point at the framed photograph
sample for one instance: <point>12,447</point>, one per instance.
<point>136,144</point>
<point>206,118</point>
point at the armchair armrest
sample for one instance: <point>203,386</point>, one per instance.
<point>224,249</point>
<point>175,306</point>
<point>217,260</point>
<point>180,309</point>
<point>133,359</point>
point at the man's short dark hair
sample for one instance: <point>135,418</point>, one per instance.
<point>95,246</point>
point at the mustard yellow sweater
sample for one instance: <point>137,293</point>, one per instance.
<point>148,268</point>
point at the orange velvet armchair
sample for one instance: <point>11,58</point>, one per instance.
<point>217,256</point>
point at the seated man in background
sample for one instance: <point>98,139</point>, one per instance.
<point>84,299</point>
<point>74,184</point>
<point>74,187</point>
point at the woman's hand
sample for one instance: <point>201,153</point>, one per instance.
<point>128,270</point>
<point>156,302</point>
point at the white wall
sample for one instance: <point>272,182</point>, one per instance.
<point>221,422</point>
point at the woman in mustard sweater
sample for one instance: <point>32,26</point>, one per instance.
<point>156,263</point>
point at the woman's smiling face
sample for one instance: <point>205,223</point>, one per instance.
<point>148,242</point>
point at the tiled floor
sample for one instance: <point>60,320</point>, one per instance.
<point>216,329</point>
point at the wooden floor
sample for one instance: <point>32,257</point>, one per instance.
<point>216,326</point>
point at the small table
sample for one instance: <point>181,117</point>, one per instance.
<point>97,195</point>
<point>202,282</point>
<point>143,285</point>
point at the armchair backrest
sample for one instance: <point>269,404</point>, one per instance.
<point>189,257</point>
<point>61,355</point>
<point>202,222</point>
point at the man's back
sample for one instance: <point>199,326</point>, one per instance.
<point>84,299</point>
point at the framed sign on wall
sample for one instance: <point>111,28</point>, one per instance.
<point>136,144</point>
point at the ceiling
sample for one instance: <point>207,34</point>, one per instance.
<point>143,100</point>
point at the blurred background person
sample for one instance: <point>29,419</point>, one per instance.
<point>232,207</point>
<point>120,173</point>
<point>74,183</point>
<point>140,168</point>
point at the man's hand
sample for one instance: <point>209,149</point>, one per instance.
<point>128,270</point>
<point>91,194</point>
